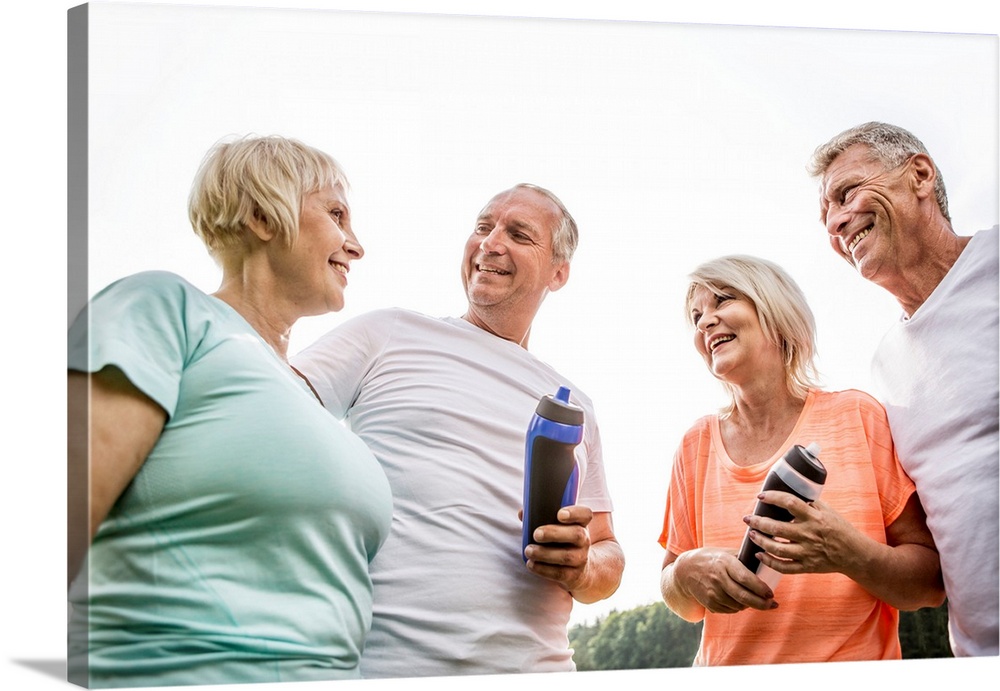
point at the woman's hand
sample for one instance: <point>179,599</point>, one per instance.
<point>711,579</point>
<point>819,540</point>
<point>905,573</point>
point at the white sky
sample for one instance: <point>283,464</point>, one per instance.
<point>671,143</point>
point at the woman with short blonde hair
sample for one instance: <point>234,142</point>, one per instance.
<point>231,521</point>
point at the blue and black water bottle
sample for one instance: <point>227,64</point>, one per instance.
<point>551,475</point>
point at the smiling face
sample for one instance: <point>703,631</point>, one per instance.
<point>868,209</point>
<point>507,266</point>
<point>313,271</point>
<point>728,335</point>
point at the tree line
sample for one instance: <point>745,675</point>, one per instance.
<point>652,637</point>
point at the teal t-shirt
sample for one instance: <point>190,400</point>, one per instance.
<point>240,551</point>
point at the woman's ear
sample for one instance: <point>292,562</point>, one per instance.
<point>258,226</point>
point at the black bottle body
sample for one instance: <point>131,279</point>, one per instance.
<point>551,474</point>
<point>799,472</point>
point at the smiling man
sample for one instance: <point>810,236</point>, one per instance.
<point>883,202</point>
<point>444,404</point>
<point>512,261</point>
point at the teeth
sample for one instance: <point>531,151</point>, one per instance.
<point>339,267</point>
<point>499,272</point>
<point>719,340</point>
<point>858,238</point>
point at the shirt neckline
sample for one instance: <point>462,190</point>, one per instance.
<point>758,470</point>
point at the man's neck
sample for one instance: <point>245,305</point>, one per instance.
<point>917,281</point>
<point>509,330</point>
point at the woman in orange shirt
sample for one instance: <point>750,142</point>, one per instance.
<point>853,558</point>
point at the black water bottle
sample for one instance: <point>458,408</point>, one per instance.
<point>551,473</point>
<point>798,472</point>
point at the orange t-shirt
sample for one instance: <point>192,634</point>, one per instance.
<point>820,617</point>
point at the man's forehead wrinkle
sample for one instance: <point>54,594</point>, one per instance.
<point>835,183</point>
<point>517,221</point>
<point>521,224</point>
<point>826,193</point>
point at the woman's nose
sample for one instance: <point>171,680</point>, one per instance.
<point>352,245</point>
<point>707,321</point>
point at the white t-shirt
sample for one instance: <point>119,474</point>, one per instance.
<point>937,373</point>
<point>445,406</point>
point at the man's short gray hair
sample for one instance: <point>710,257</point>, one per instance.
<point>888,144</point>
<point>564,237</point>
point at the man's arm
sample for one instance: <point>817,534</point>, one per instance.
<point>586,560</point>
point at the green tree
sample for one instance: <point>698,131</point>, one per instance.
<point>652,637</point>
<point>924,633</point>
<point>645,637</point>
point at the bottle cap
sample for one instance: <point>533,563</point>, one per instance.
<point>558,408</point>
<point>804,460</point>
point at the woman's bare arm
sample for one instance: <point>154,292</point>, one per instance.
<point>112,427</point>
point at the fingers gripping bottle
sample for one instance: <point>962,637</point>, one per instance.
<point>551,475</point>
<point>798,472</point>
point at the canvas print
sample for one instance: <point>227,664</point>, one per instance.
<point>415,346</point>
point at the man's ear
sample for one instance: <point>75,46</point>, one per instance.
<point>923,176</point>
<point>560,277</point>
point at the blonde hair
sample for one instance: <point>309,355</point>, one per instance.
<point>256,178</point>
<point>781,306</point>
